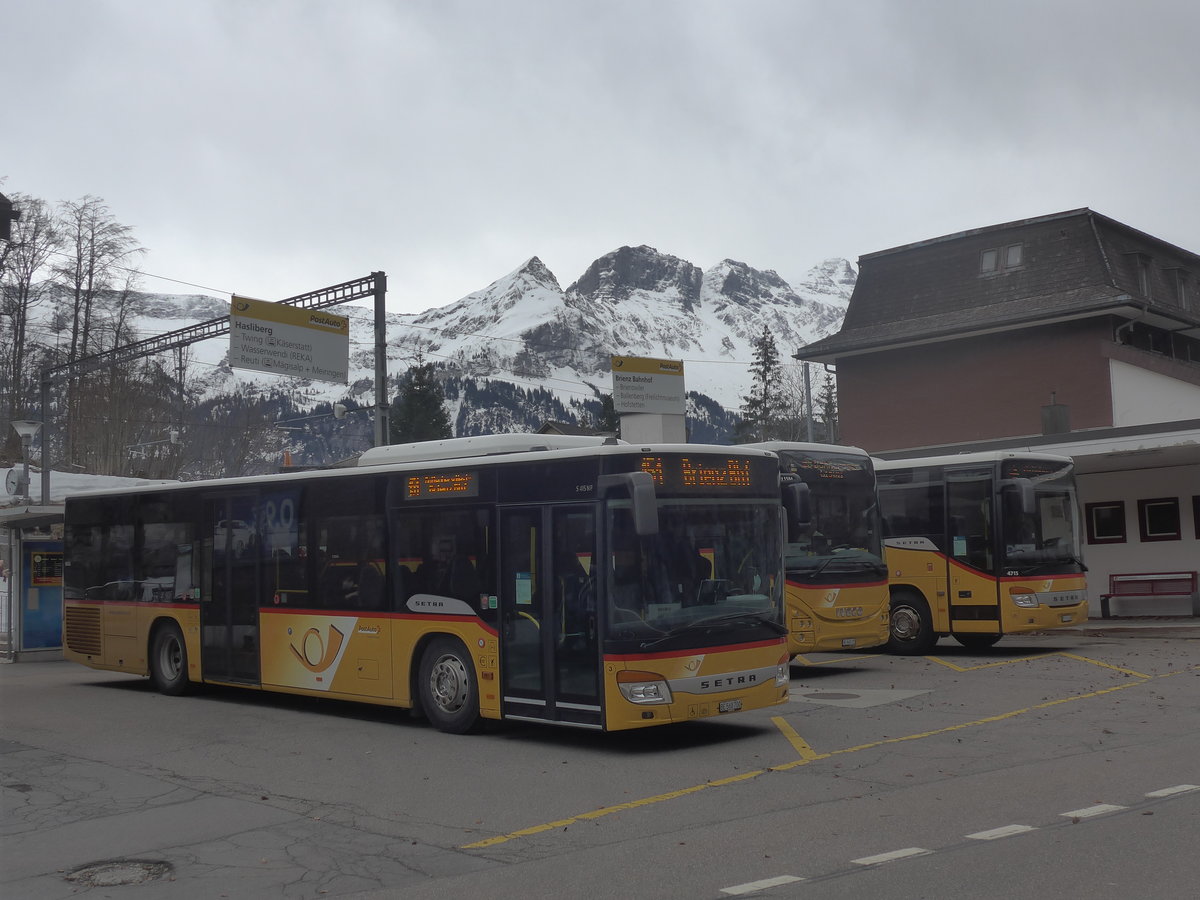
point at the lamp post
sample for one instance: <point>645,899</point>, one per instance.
<point>25,430</point>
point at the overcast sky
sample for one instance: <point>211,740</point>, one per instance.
<point>270,148</point>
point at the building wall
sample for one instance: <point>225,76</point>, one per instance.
<point>1142,397</point>
<point>1135,555</point>
<point>975,389</point>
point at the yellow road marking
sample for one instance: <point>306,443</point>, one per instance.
<point>1096,662</point>
<point>807,755</point>
<point>798,743</point>
<point>805,661</point>
<point>988,720</point>
<point>991,665</point>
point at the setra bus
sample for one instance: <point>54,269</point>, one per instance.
<point>567,580</point>
<point>836,593</point>
<point>980,545</point>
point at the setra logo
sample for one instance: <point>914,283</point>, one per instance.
<point>317,654</point>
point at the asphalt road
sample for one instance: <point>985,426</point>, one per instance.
<point>1066,765</point>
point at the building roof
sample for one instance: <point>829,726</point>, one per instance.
<point>1069,265</point>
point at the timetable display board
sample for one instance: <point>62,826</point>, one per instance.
<point>441,485</point>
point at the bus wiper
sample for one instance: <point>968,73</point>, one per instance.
<point>724,619</point>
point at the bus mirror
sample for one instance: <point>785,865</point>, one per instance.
<point>1019,497</point>
<point>640,486</point>
<point>797,502</point>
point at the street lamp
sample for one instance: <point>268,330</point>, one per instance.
<point>25,431</point>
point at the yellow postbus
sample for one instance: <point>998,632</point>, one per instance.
<point>836,594</point>
<point>552,579</point>
<point>980,545</point>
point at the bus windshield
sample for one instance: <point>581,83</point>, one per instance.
<point>1043,539</point>
<point>843,540</point>
<point>710,569</point>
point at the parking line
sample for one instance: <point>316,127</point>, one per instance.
<point>1104,665</point>
<point>889,857</point>
<point>1087,812</point>
<point>1172,791</point>
<point>751,886</point>
<point>803,761</point>
<point>798,743</point>
<point>990,665</point>
<point>1001,832</point>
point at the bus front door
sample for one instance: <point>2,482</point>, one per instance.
<point>974,592</point>
<point>229,604</point>
<point>550,661</point>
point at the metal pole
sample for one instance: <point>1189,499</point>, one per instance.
<point>381,398</point>
<point>808,404</point>
<point>47,425</point>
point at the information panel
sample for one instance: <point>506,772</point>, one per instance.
<point>287,340</point>
<point>643,385</point>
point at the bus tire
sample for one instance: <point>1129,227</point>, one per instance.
<point>912,631</point>
<point>977,641</point>
<point>447,687</point>
<point>168,660</point>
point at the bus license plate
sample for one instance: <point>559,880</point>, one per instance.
<point>729,706</point>
<point>1066,618</point>
<point>849,642</point>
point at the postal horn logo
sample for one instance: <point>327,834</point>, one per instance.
<point>316,653</point>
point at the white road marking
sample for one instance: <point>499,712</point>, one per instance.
<point>1087,812</point>
<point>751,886</point>
<point>1001,832</point>
<point>1171,791</point>
<point>888,857</point>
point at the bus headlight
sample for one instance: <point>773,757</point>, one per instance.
<point>1025,601</point>
<point>783,675</point>
<point>643,688</point>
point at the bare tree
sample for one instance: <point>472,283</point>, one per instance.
<point>23,287</point>
<point>97,251</point>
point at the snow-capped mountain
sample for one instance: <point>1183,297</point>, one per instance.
<point>526,330</point>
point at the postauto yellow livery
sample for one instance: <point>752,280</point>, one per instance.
<point>568,580</point>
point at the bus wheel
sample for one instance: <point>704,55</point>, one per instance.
<point>912,626</point>
<point>977,641</point>
<point>168,661</point>
<point>447,687</point>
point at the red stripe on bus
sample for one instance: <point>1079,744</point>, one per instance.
<point>725,648</point>
<point>153,604</point>
<point>851,584</point>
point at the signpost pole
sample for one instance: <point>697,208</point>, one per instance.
<point>381,398</point>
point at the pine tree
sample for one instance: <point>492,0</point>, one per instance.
<point>829,410</point>
<point>762,407</point>
<point>418,413</point>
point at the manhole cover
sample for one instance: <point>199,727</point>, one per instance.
<point>115,872</point>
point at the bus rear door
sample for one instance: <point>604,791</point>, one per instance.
<point>229,602</point>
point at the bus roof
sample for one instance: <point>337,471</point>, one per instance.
<point>966,459</point>
<point>481,445</point>
<point>509,448</point>
<point>807,447</point>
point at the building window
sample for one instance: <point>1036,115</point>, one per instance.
<point>1106,522</point>
<point>1000,259</point>
<point>1158,520</point>
<point>1196,516</point>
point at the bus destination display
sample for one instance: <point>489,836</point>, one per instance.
<point>433,485</point>
<point>690,472</point>
<point>826,467</point>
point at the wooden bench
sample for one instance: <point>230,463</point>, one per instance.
<point>1151,586</point>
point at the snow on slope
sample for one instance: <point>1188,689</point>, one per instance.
<point>524,328</point>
